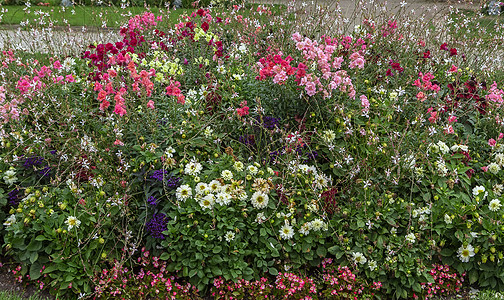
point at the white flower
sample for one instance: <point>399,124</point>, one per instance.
<point>372,265</point>
<point>321,181</point>
<point>10,177</point>
<point>359,258</point>
<point>215,186</point>
<point>183,192</point>
<point>328,136</point>
<point>259,200</point>
<point>447,219</point>
<point>169,152</point>
<point>464,253</point>
<point>443,147</point>
<point>223,198</point>
<point>286,232</point>
<point>229,236</point>
<point>494,168</point>
<point>227,175</point>
<point>207,202</point>
<point>238,166</point>
<point>202,188</point>
<point>193,168</point>
<point>305,228</point>
<point>410,238</point>
<point>494,205</point>
<point>208,132</point>
<point>478,190</point>
<point>10,220</point>
<point>252,169</point>
<point>72,222</point>
<point>499,159</point>
<point>260,218</point>
<point>497,189</point>
<point>317,224</point>
<point>68,63</point>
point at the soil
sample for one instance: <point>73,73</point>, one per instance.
<point>8,283</point>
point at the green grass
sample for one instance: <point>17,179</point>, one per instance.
<point>76,16</point>
<point>17,296</point>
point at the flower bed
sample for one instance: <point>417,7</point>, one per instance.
<point>217,157</point>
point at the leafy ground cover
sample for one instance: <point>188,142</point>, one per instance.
<point>259,153</point>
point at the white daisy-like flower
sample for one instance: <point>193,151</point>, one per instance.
<point>183,192</point>
<point>447,219</point>
<point>227,175</point>
<point>10,177</point>
<point>252,169</point>
<point>68,63</point>
<point>72,222</point>
<point>169,152</point>
<point>229,236</point>
<point>10,220</point>
<point>372,265</point>
<point>328,136</point>
<point>208,132</point>
<point>321,181</point>
<point>478,190</point>
<point>497,189</point>
<point>465,253</point>
<point>259,200</point>
<point>494,168</point>
<point>499,159</point>
<point>215,186</point>
<point>193,168</point>
<point>494,205</point>
<point>286,232</point>
<point>242,195</point>
<point>443,147</point>
<point>260,218</point>
<point>359,258</point>
<point>207,202</point>
<point>410,238</point>
<point>238,166</point>
<point>305,228</point>
<point>202,188</point>
<point>223,198</point>
<point>317,224</point>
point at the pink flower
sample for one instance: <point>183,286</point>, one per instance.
<point>452,119</point>
<point>501,135</point>
<point>453,69</point>
<point>492,142</point>
<point>364,102</point>
<point>242,111</point>
<point>150,104</point>
<point>118,143</point>
<point>485,169</point>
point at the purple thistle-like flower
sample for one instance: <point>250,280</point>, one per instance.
<point>152,201</point>
<point>33,161</point>
<point>46,171</point>
<point>13,197</point>
<point>159,175</point>
<point>156,225</point>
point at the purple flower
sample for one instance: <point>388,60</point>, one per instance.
<point>156,225</point>
<point>30,162</point>
<point>152,201</point>
<point>13,197</point>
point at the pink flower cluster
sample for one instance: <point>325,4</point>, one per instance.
<point>495,95</point>
<point>446,281</point>
<point>426,83</point>
<point>290,285</point>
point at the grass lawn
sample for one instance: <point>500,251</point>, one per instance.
<point>111,17</point>
<point>75,16</point>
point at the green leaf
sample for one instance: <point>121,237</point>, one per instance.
<point>473,276</point>
<point>321,251</point>
<point>40,238</point>
<point>193,272</point>
<point>34,246</point>
<point>33,257</point>
<point>164,256</point>
<point>447,252</point>
<point>360,224</point>
<point>217,249</point>
<point>273,271</point>
<point>35,271</point>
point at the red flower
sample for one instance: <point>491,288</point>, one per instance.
<point>204,26</point>
<point>426,54</point>
<point>389,73</point>
<point>444,47</point>
<point>453,52</point>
